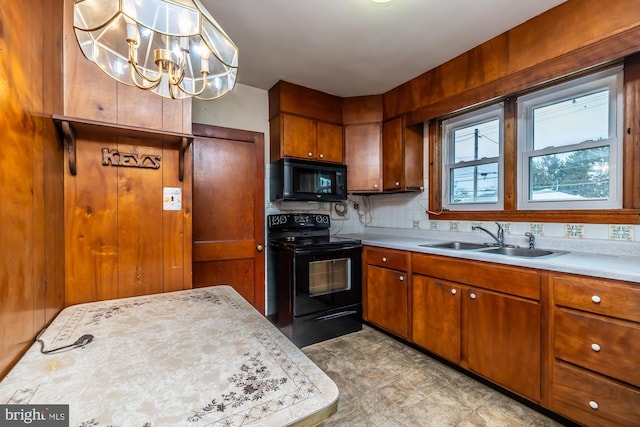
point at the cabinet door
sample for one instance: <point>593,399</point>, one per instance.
<point>387,298</point>
<point>503,340</point>
<point>330,145</point>
<point>436,316</point>
<point>363,148</point>
<point>392,155</point>
<point>298,137</point>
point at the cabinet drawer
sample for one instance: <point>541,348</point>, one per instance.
<point>597,295</point>
<point>518,281</point>
<point>389,258</point>
<point>608,346</point>
<point>593,400</point>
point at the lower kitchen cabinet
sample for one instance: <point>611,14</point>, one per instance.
<point>472,314</point>
<point>387,290</point>
<point>503,340</point>
<point>436,313</point>
<point>596,350</point>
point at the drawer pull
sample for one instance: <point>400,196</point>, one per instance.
<point>596,299</point>
<point>595,347</point>
<point>472,295</point>
<point>384,259</point>
<point>401,278</point>
<point>593,404</point>
<point>453,292</point>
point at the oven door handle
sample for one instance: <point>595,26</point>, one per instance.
<point>335,315</point>
<point>316,250</point>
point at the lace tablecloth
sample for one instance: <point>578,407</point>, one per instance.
<point>200,357</point>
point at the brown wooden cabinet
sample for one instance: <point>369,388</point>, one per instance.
<point>502,336</point>
<point>387,290</point>
<point>437,316</point>
<point>363,156</point>
<point>362,119</point>
<point>485,317</point>
<point>305,123</point>
<point>402,156</point>
<point>596,347</point>
<point>304,138</point>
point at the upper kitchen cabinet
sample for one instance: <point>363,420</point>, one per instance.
<point>402,156</point>
<point>362,119</point>
<point>91,95</point>
<point>305,123</point>
<point>296,136</point>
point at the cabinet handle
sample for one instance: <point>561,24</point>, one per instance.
<point>595,347</point>
<point>472,295</point>
<point>384,259</point>
<point>310,154</point>
<point>453,292</point>
<point>321,156</point>
<point>375,185</point>
<point>397,183</point>
<point>596,299</point>
<point>593,404</point>
<point>402,278</point>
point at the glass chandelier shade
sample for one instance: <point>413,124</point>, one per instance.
<point>173,48</point>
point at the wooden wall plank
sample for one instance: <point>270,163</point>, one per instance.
<point>139,224</point>
<point>90,224</point>
<point>172,227</point>
<point>28,137</point>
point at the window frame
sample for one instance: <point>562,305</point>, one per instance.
<point>449,126</point>
<point>611,79</point>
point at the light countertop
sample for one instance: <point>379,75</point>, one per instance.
<point>609,265</point>
<point>201,357</point>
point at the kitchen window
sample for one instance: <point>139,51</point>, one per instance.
<point>473,160</point>
<point>569,145</point>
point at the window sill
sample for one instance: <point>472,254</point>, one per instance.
<point>618,216</point>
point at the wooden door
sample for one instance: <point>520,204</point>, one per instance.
<point>436,316</point>
<point>503,340</point>
<point>330,142</point>
<point>363,154</point>
<point>387,299</point>
<point>228,211</point>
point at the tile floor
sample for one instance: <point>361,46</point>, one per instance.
<point>385,383</point>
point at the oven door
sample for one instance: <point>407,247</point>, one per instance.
<point>326,279</point>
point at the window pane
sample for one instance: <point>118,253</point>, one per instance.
<point>581,174</point>
<point>474,184</point>
<point>476,141</point>
<point>585,118</point>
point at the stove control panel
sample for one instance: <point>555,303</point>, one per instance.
<point>298,220</point>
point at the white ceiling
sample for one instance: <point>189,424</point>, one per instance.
<point>355,47</point>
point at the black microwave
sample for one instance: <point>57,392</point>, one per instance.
<point>297,179</point>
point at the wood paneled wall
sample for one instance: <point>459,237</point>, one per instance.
<point>91,94</point>
<point>31,175</point>
<point>120,242</point>
<point>573,36</point>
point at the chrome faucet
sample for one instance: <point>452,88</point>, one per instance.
<point>499,238</point>
<point>532,240</point>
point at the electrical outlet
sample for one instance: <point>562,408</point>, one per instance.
<point>356,206</point>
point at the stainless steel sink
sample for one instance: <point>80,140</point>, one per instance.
<point>456,245</point>
<point>520,252</point>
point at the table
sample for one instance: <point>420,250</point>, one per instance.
<point>199,357</point>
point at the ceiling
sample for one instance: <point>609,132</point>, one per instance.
<point>357,47</point>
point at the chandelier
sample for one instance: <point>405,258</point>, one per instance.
<point>173,48</point>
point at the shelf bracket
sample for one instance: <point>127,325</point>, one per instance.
<point>69,136</point>
<point>183,148</point>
